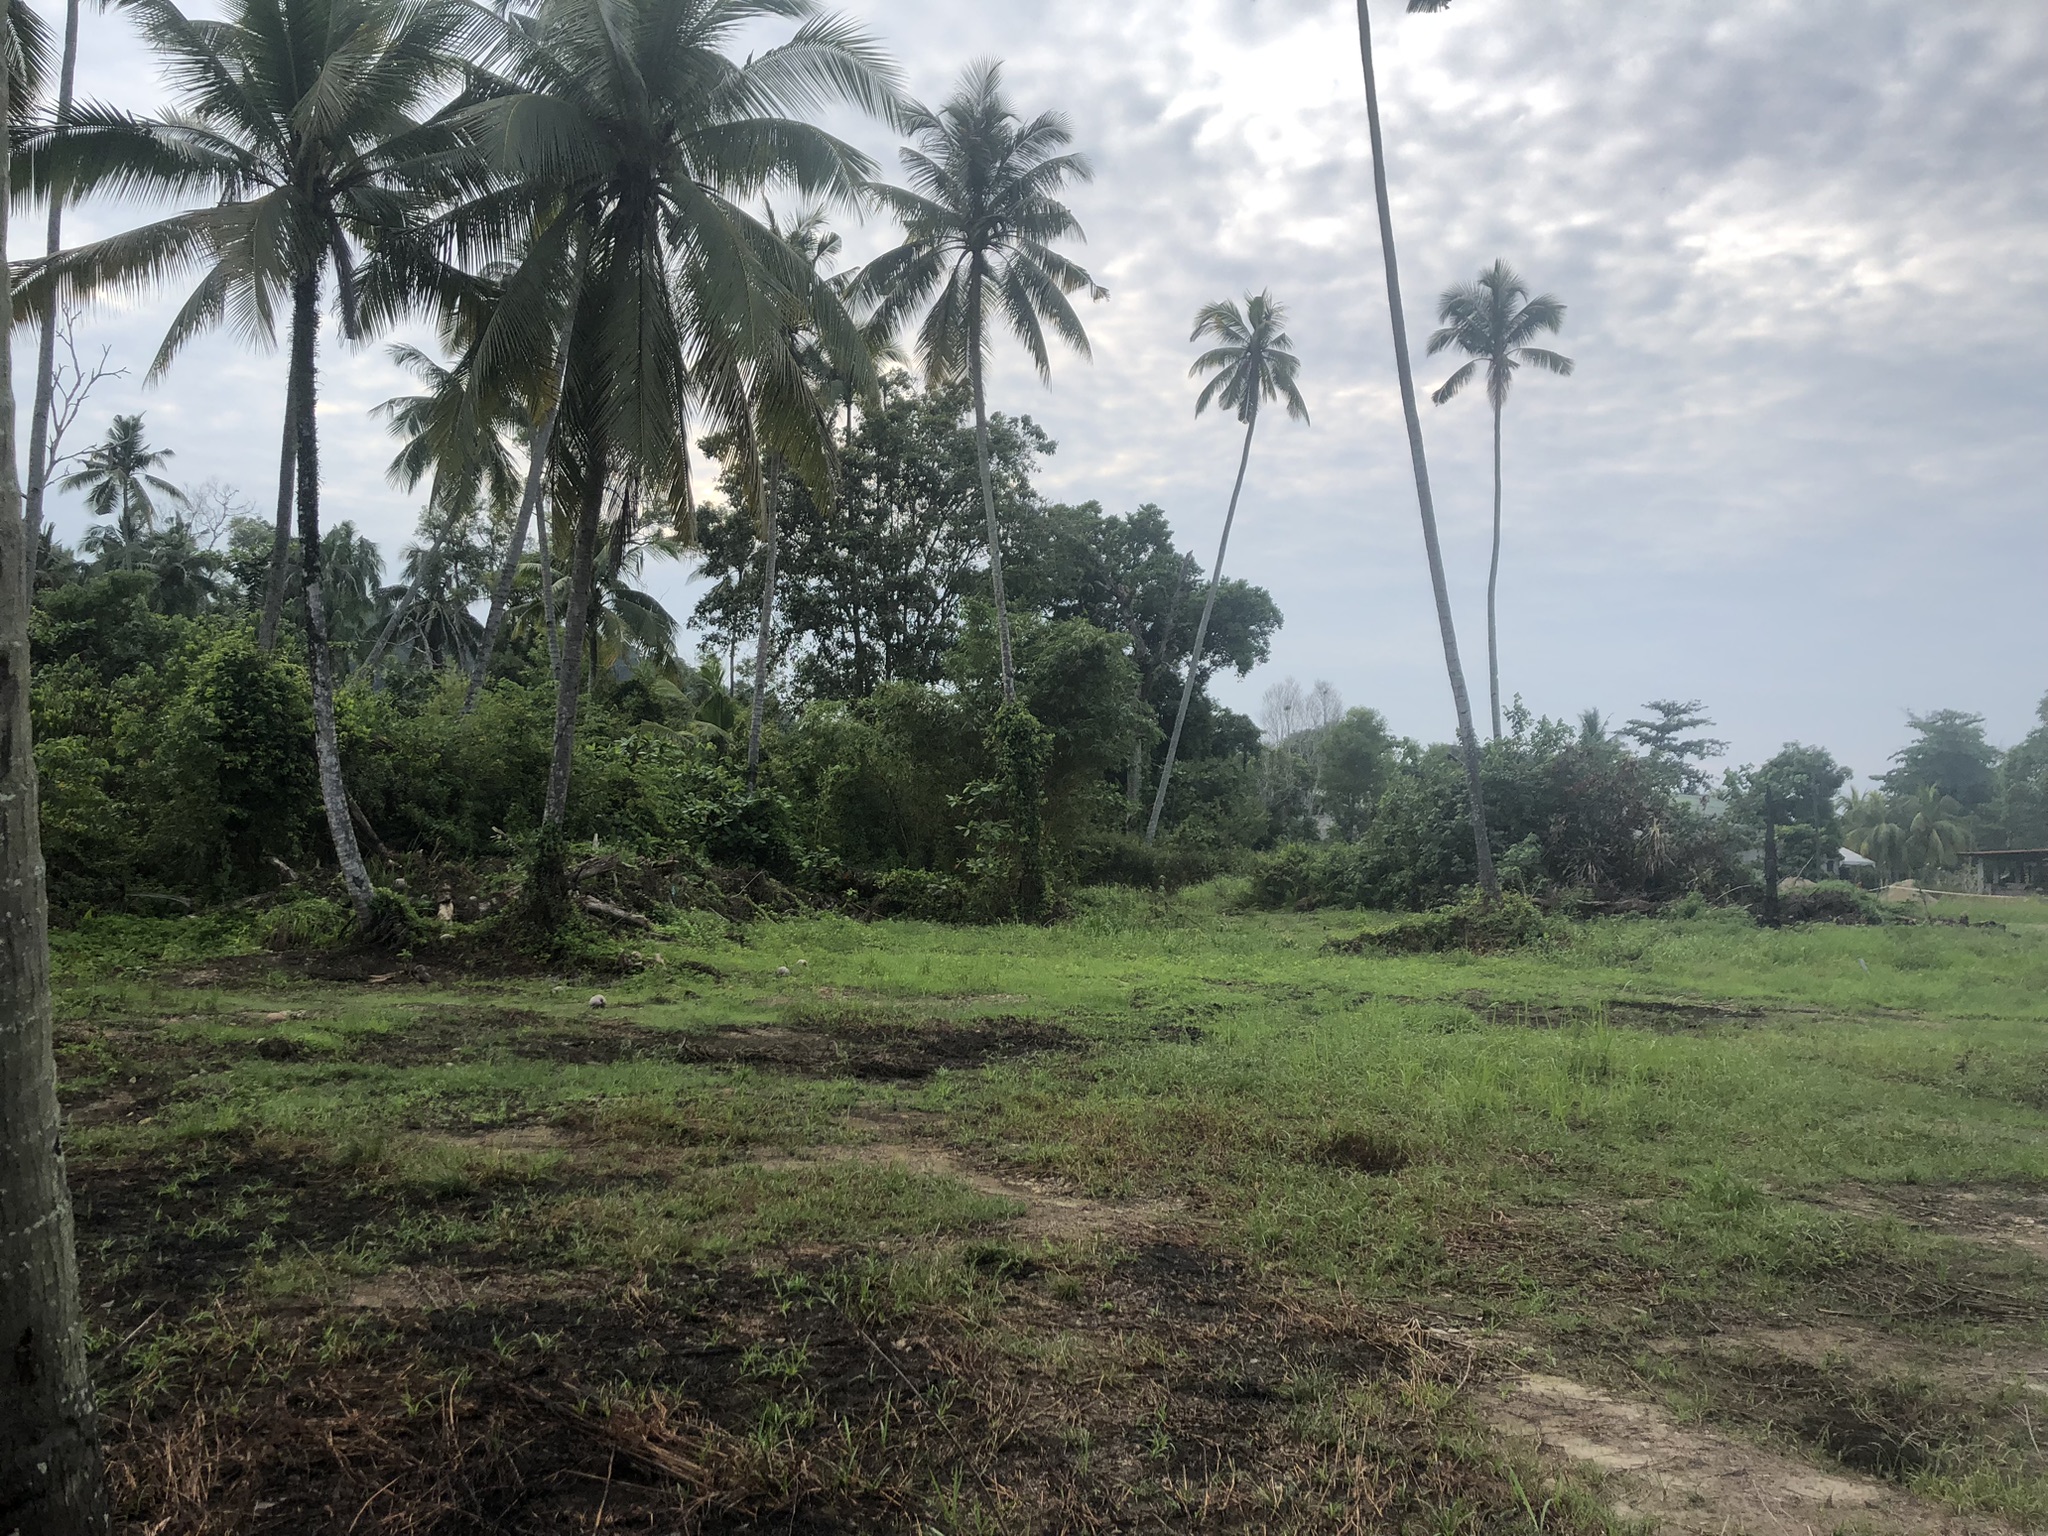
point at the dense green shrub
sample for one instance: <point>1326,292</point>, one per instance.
<point>1476,923</point>
<point>1564,813</point>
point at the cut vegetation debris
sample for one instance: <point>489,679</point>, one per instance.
<point>1165,1217</point>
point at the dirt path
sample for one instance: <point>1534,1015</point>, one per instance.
<point>1687,1478</point>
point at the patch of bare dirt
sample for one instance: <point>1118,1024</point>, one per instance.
<point>1979,1370</point>
<point>1051,1211</point>
<point>2015,1219</point>
<point>875,1045</point>
<point>1689,1478</point>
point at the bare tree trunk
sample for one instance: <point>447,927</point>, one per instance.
<point>50,1479</point>
<point>1493,584</point>
<point>569,668</point>
<point>46,343</point>
<point>326,744</point>
<point>757,706</point>
<point>529,499</point>
<point>281,538</point>
<point>1468,741</point>
<point>988,489</point>
<point>1187,691</point>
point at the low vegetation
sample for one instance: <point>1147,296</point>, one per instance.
<point>1176,1211</point>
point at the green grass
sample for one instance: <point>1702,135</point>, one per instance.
<point>1603,1148</point>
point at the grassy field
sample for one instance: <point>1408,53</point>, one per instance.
<point>1168,1217</point>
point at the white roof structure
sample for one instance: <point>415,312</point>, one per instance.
<point>1851,859</point>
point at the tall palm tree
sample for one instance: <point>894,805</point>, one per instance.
<point>1468,740</point>
<point>1492,321</point>
<point>305,121</point>
<point>979,221</point>
<point>50,1477</point>
<point>117,476</point>
<point>623,143</point>
<point>1251,363</point>
<point>39,450</point>
<point>809,237</point>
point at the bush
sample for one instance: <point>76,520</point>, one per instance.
<point>1477,924</point>
<point>1830,901</point>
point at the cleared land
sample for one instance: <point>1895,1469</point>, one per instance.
<point>1165,1218</point>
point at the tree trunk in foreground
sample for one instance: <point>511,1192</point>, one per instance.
<point>569,668</point>
<point>326,744</point>
<point>1187,691</point>
<point>46,343</point>
<point>1493,584</point>
<point>50,1480</point>
<point>758,705</point>
<point>988,488</point>
<point>1468,741</point>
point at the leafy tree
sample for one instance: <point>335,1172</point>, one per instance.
<point>872,591</point>
<point>1124,574</point>
<point>2023,786</point>
<point>1354,761</point>
<point>1468,741</point>
<point>979,222</point>
<point>1949,752</point>
<point>1251,363</point>
<point>1493,321</point>
<point>1663,737</point>
<point>117,476</point>
<point>1803,784</point>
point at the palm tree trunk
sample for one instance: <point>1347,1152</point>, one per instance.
<point>46,343</point>
<point>1493,584</point>
<point>569,665</point>
<point>529,499</point>
<point>281,539</point>
<point>50,1478</point>
<point>1468,742</point>
<point>988,489</point>
<point>544,546</point>
<point>1187,691</point>
<point>326,744</point>
<point>757,706</point>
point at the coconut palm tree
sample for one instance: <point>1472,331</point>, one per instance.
<point>811,239</point>
<point>1468,740</point>
<point>1876,826</point>
<point>623,144</point>
<point>1251,362</point>
<point>1492,321</point>
<point>979,222</point>
<point>1937,833</point>
<point>117,475</point>
<point>305,122</point>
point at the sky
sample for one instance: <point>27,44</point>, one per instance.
<point>1800,472</point>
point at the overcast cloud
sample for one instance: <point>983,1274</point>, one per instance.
<point>1799,472</point>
